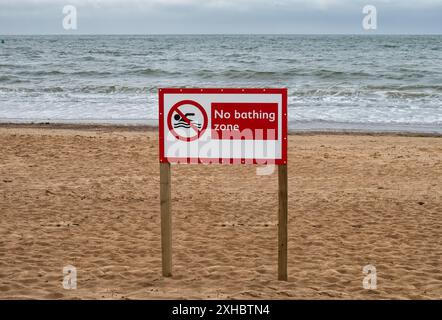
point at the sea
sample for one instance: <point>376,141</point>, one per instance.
<point>335,82</point>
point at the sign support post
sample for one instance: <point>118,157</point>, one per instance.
<point>225,126</point>
<point>166,218</point>
<point>282,221</point>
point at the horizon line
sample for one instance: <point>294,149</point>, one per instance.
<point>222,34</point>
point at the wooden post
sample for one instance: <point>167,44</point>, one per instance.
<point>282,222</point>
<point>166,219</point>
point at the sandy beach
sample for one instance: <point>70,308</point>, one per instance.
<point>89,197</point>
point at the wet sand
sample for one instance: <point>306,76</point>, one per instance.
<point>89,197</point>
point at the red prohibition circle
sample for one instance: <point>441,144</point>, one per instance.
<point>198,132</point>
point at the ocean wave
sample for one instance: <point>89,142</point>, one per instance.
<point>112,53</point>
<point>81,73</point>
<point>89,58</point>
<point>411,87</point>
<point>251,74</point>
<point>235,74</point>
<point>353,93</point>
<point>6,79</point>
<point>31,90</point>
<point>91,89</point>
<point>334,74</point>
<point>150,72</point>
<point>390,46</point>
<point>360,93</point>
<point>117,89</point>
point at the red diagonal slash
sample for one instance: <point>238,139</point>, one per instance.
<point>194,127</point>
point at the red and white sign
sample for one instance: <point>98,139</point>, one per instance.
<point>223,125</point>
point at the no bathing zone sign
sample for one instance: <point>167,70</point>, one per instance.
<point>223,125</point>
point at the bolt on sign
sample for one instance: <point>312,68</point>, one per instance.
<point>223,126</point>
<point>226,126</point>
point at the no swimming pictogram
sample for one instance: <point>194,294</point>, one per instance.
<point>187,120</point>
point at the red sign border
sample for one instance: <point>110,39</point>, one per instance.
<point>284,138</point>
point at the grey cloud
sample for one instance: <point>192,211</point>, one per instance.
<point>220,16</point>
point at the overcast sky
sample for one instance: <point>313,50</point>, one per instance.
<point>220,16</point>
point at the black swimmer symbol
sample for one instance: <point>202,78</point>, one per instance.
<point>181,123</point>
